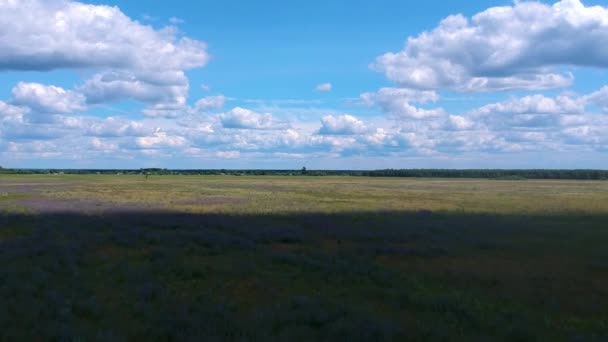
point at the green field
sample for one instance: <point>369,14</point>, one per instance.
<point>302,258</point>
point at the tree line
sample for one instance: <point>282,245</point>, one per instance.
<point>492,173</point>
<point>515,174</point>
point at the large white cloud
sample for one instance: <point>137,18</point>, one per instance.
<point>59,34</point>
<point>510,47</point>
<point>130,60</point>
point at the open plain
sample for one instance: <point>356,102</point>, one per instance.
<point>302,258</point>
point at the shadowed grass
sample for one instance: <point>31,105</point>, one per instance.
<point>367,276</point>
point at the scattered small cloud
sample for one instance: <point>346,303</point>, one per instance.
<point>176,21</point>
<point>324,87</point>
<point>210,102</point>
<point>47,99</point>
<point>160,140</point>
<point>341,125</point>
<point>397,103</point>
<point>101,145</point>
<point>228,154</point>
<point>526,46</point>
<point>148,17</point>
<point>242,118</point>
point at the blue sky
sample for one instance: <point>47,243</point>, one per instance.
<point>283,84</point>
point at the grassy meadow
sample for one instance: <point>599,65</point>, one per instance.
<point>121,258</point>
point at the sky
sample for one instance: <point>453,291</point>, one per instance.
<point>274,84</point>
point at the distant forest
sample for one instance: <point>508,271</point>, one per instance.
<point>515,174</point>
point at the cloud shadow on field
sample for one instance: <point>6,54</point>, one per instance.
<point>321,276</point>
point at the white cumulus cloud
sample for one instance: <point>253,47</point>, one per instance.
<point>47,35</point>
<point>510,47</point>
<point>130,60</point>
